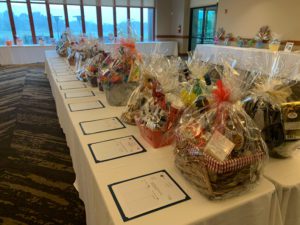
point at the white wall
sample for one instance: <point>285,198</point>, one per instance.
<point>199,3</point>
<point>163,17</point>
<point>245,17</point>
<point>170,15</point>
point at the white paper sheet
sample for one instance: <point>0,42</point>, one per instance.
<point>85,106</point>
<point>64,73</point>
<point>101,125</point>
<point>141,195</point>
<point>79,94</point>
<point>68,86</point>
<point>67,78</point>
<point>115,148</point>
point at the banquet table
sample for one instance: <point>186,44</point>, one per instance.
<point>249,58</point>
<point>27,54</point>
<point>24,54</point>
<point>81,111</point>
<point>285,174</point>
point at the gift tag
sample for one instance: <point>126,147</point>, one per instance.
<point>219,146</point>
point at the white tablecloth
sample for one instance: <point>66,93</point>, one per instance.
<point>167,48</point>
<point>23,54</point>
<point>250,58</point>
<point>257,207</point>
<point>285,174</point>
<point>35,53</point>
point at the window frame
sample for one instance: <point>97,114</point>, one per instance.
<point>98,11</point>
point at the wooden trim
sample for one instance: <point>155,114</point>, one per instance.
<point>128,18</point>
<point>154,19</point>
<point>31,22</point>
<point>99,19</point>
<point>173,36</point>
<point>115,18</point>
<point>49,18</point>
<point>66,14</point>
<point>82,17</point>
<point>12,22</point>
<point>294,41</point>
<point>142,23</point>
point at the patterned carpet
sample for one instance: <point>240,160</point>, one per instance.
<point>36,173</point>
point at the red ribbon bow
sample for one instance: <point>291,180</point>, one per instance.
<point>221,94</point>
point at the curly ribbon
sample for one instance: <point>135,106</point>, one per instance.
<point>221,94</point>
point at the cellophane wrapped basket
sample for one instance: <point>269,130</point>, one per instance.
<point>267,104</point>
<point>71,51</point>
<point>159,116</point>
<point>141,95</point>
<point>221,150</point>
<point>63,44</point>
<point>124,74</point>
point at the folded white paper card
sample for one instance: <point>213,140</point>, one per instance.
<point>73,85</point>
<point>146,194</point>
<point>81,106</point>
<point>101,125</point>
<point>79,94</point>
<point>64,73</point>
<point>115,148</point>
<point>67,78</point>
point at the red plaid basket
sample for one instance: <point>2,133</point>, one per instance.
<point>214,178</point>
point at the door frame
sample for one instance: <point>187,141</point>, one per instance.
<point>204,21</point>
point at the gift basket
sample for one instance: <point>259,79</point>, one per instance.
<point>104,71</point>
<point>63,44</point>
<point>263,35</point>
<point>90,70</point>
<point>267,103</point>
<point>124,74</point>
<point>221,150</point>
<point>71,52</point>
<point>159,115</point>
<point>143,92</point>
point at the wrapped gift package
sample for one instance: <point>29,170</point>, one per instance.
<point>221,150</point>
<point>124,74</point>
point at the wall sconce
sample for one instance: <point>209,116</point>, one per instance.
<point>179,29</point>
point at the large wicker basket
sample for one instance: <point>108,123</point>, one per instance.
<point>217,179</point>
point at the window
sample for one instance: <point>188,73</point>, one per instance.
<point>5,28</point>
<point>107,23</point>
<point>135,22</point>
<point>40,21</point>
<point>115,19</point>
<point>122,27</point>
<point>20,14</point>
<point>58,20</point>
<point>74,15</point>
<point>148,14</point>
<point>90,15</point>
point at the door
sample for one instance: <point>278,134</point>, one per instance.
<point>202,26</point>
